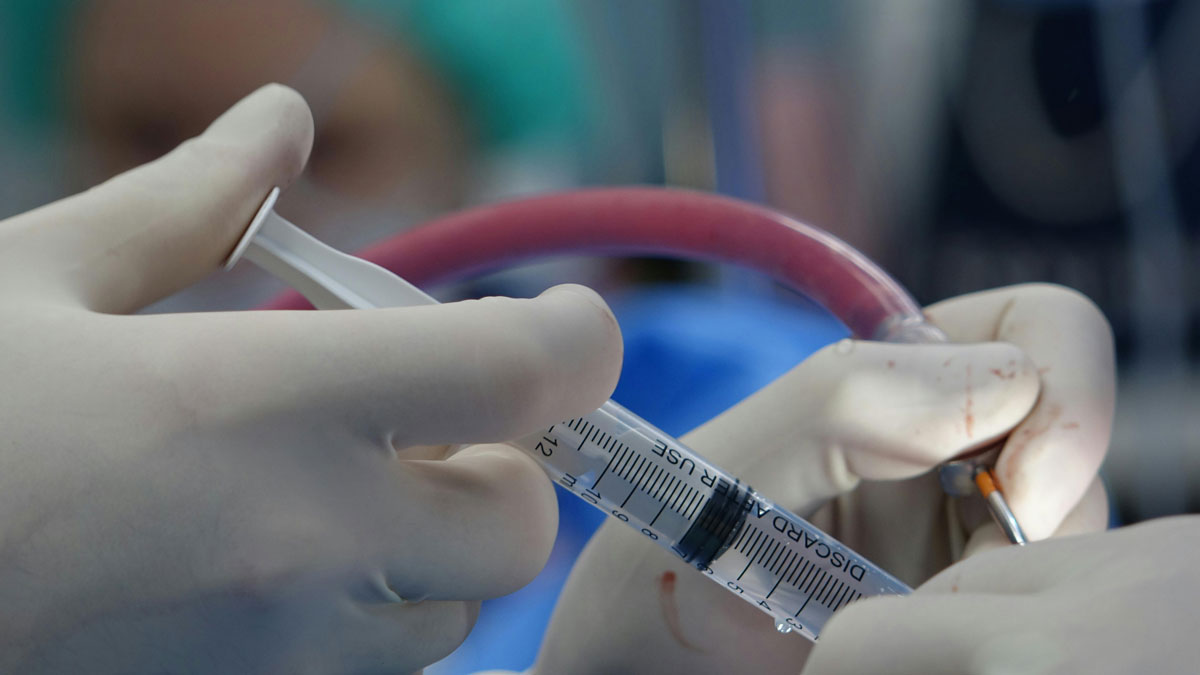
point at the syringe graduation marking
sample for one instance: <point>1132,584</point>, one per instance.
<point>840,597</point>
<point>835,599</point>
<point>641,472</point>
<point>648,477</point>
<point>664,488</point>
<point>801,579</point>
<point>620,466</point>
<point>781,563</point>
<point>634,477</point>
<point>749,562</point>
<point>823,589</point>
<point>670,496</point>
<point>639,467</point>
<point>678,496</point>
<point>831,593</point>
<point>767,552</point>
<point>792,569</point>
<point>754,550</point>
<point>689,505</point>
<point>748,538</point>
<point>779,554</point>
<point>785,566</point>
<point>817,589</point>
<point>664,502</point>
<point>742,537</point>
<point>809,598</point>
<point>782,576</point>
<point>716,519</point>
<point>652,489</point>
<point>836,592</point>
<point>821,574</point>
<point>630,462</point>
<point>608,466</point>
<point>803,569</point>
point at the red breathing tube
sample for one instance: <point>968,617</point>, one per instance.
<point>634,221</point>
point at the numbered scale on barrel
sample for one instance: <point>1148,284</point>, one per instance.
<point>778,561</point>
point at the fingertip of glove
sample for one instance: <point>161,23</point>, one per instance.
<point>576,291</point>
<point>606,336</point>
<point>512,483</point>
<point>276,123</point>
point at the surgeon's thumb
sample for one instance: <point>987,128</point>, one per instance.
<point>867,410</point>
<point>160,227</point>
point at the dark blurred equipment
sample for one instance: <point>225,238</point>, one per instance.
<point>1072,157</point>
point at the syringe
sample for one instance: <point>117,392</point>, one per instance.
<point>621,464</point>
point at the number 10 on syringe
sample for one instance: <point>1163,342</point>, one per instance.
<point>779,562</point>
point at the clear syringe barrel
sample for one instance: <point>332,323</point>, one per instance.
<point>623,465</point>
<point>781,563</point>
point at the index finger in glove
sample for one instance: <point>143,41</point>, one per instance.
<point>1051,457</point>
<point>464,372</point>
<point>869,410</point>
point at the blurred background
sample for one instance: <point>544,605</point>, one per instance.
<point>962,144</point>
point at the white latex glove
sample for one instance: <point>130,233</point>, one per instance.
<point>1115,602</point>
<point>255,492</point>
<point>853,420</point>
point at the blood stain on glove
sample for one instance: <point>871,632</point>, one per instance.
<point>968,416</point>
<point>1038,424</point>
<point>666,598</point>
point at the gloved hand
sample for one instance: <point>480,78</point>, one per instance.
<point>1115,602</point>
<point>256,492</point>
<point>853,420</point>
